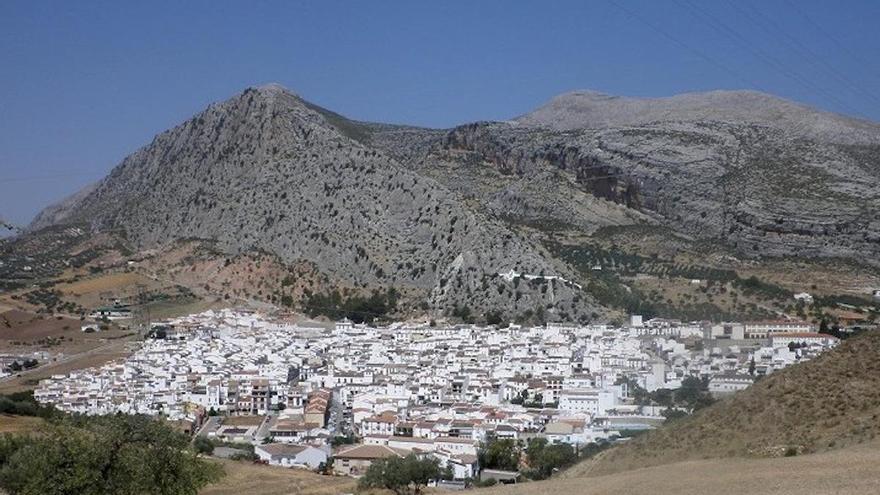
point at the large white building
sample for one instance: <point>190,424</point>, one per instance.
<point>763,329</point>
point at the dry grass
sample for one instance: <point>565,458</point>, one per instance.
<point>105,283</point>
<point>243,420</point>
<point>829,402</point>
<point>172,309</point>
<point>22,325</point>
<point>831,277</point>
<point>850,471</point>
<point>246,478</point>
<point>19,424</point>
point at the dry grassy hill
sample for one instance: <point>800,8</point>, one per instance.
<point>244,477</point>
<point>849,471</point>
<point>830,402</point>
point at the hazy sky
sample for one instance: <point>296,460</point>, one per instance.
<point>82,84</point>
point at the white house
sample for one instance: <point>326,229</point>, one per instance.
<point>729,383</point>
<point>289,455</point>
<point>784,339</point>
<point>586,400</point>
<point>762,329</point>
<point>464,466</point>
<point>806,297</point>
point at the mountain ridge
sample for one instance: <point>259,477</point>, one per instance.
<point>439,213</point>
<point>588,108</point>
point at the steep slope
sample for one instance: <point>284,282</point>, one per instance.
<point>759,189</point>
<point>55,213</point>
<point>826,403</point>
<point>268,171</point>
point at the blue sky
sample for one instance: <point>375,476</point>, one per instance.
<point>82,84</point>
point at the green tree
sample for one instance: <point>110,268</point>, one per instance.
<point>663,397</point>
<point>402,475</point>
<point>693,393</point>
<point>494,318</point>
<point>203,445</point>
<point>545,459</point>
<point>673,414</point>
<point>499,454</point>
<point>118,454</point>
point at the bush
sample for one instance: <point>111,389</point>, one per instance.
<point>203,446</point>
<point>546,459</point>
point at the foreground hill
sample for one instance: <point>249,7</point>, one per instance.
<point>719,183</point>
<point>826,403</point>
<point>850,471</point>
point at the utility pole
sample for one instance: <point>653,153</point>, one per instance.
<point>142,311</point>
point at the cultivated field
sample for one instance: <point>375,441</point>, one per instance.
<point>246,478</point>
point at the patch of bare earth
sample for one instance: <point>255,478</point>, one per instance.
<point>244,477</point>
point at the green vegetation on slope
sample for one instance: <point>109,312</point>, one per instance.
<point>609,274</point>
<point>358,309</point>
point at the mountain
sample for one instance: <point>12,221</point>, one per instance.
<point>577,201</point>
<point>827,403</point>
<point>267,171</point>
<point>761,175</point>
<point>592,109</point>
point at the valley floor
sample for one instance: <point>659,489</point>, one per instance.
<point>850,471</point>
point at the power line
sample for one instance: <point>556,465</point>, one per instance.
<point>686,46</point>
<point>773,28</point>
<point>843,48</point>
<point>773,62</point>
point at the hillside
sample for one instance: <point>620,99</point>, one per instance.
<point>849,471</point>
<point>711,186</point>
<point>827,403</point>
<point>267,171</point>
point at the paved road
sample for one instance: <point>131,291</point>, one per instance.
<point>335,424</point>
